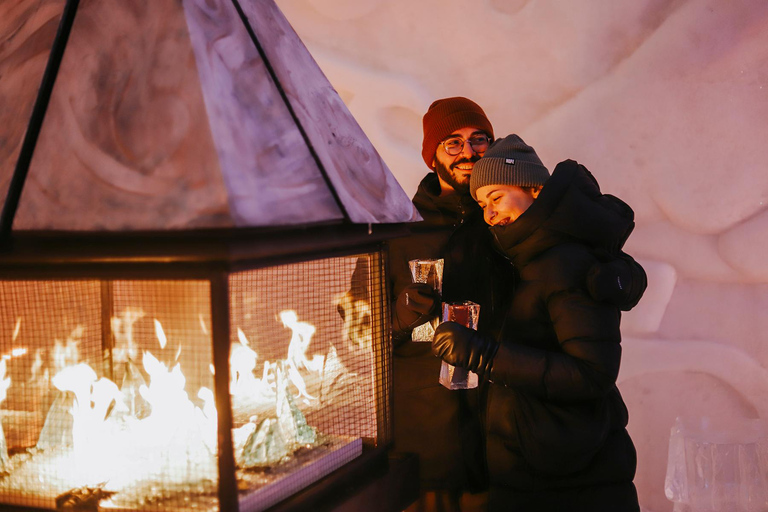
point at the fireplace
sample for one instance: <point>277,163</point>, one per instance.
<point>112,386</point>
<point>193,310</point>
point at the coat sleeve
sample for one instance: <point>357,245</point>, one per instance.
<point>586,364</point>
<point>618,280</point>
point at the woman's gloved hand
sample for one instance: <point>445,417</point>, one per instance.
<point>416,304</point>
<point>461,346</point>
<point>620,281</point>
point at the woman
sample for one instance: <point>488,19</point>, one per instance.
<point>555,421</point>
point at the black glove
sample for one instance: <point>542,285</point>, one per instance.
<point>416,304</point>
<point>461,346</point>
<point>620,281</point>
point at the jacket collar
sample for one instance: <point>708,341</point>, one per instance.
<point>448,210</point>
<point>570,208</point>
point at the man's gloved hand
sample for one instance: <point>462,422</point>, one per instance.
<point>461,346</point>
<point>416,304</point>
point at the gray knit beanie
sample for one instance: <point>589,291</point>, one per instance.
<point>508,161</point>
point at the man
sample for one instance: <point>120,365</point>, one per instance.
<point>441,426</point>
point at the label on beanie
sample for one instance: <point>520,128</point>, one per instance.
<point>509,161</point>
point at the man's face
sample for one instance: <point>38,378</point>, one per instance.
<point>503,204</point>
<point>454,171</point>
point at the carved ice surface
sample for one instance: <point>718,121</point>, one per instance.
<point>266,446</point>
<point>57,429</point>
<point>276,438</point>
<point>425,332</point>
<point>332,376</point>
<point>456,377</point>
<point>714,467</point>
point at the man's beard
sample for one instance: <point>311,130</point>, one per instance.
<point>458,182</point>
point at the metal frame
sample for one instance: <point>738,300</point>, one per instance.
<point>210,257</point>
<point>190,254</point>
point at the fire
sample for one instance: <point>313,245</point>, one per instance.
<point>5,382</point>
<point>242,363</point>
<point>16,330</point>
<point>110,443</point>
<point>246,388</point>
<point>92,397</point>
<point>125,437</point>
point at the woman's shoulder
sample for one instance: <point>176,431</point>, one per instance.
<point>562,266</point>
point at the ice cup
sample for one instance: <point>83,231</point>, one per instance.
<point>429,272</point>
<point>467,314</point>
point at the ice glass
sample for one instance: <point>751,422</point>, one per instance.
<point>467,314</point>
<point>431,273</point>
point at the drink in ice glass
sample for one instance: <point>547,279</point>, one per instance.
<point>429,272</point>
<point>467,314</point>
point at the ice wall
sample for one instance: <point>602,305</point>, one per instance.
<point>665,102</point>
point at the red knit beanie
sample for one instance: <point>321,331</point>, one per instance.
<point>446,116</point>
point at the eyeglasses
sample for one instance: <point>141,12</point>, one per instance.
<point>455,145</point>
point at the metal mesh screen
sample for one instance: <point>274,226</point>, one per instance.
<point>106,405</point>
<point>309,372</point>
<point>106,387</point>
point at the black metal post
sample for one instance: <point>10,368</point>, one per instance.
<point>383,351</point>
<point>228,501</point>
<point>107,339</point>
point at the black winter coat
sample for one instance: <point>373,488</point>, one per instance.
<point>555,418</point>
<point>443,426</point>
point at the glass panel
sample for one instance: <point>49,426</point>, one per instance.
<point>106,395</point>
<point>308,379</point>
<point>362,181</point>
<point>163,116</point>
<point>125,144</point>
<point>108,400</point>
<point>27,31</point>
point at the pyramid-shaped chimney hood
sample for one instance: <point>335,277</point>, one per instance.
<point>174,116</point>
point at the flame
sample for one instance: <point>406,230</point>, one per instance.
<point>173,439</point>
<point>160,334</point>
<point>5,382</point>
<point>241,337</point>
<point>16,330</point>
<point>67,353</point>
<point>122,330</point>
<point>93,397</point>
<point>16,352</point>
<point>242,363</point>
<point>302,333</point>
<point>37,366</point>
<point>202,324</point>
<point>176,440</point>
<point>246,387</point>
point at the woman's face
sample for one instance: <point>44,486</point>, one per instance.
<point>503,204</point>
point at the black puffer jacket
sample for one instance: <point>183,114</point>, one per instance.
<point>555,418</point>
<point>443,426</point>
